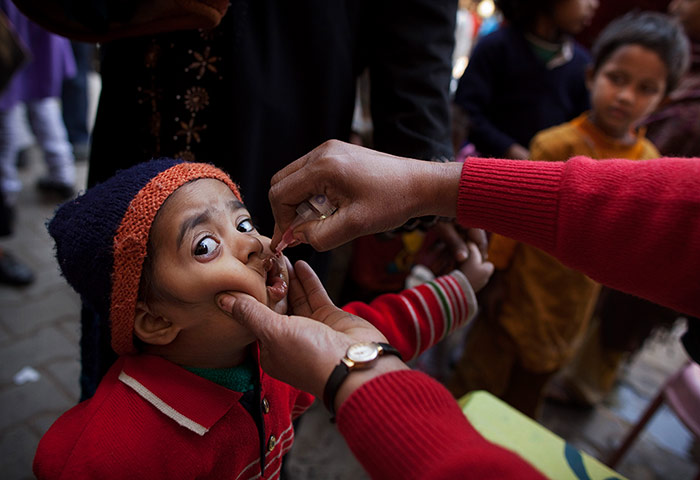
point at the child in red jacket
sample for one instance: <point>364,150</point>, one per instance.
<point>150,250</point>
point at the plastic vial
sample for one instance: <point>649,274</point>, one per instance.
<point>315,208</point>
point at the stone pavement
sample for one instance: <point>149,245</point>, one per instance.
<point>39,329</point>
<point>665,449</point>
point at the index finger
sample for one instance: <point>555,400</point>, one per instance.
<point>291,186</point>
<point>290,169</point>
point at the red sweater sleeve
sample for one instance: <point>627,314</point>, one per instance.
<point>634,226</point>
<point>406,425</point>
<point>417,318</point>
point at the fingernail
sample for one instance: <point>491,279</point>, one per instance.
<point>462,255</point>
<point>226,302</point>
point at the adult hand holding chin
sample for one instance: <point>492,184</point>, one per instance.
<point>302,349</point>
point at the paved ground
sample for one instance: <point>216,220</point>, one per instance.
<point>665,449</point>
<point>39,330</point>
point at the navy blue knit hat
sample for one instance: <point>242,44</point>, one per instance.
<point>102,237</point>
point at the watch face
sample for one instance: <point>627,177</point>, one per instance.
<point>363,352</point>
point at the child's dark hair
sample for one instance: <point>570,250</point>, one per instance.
<point>654,31</point>
<point>523,13</point>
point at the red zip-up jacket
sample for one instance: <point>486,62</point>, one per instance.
<point>152,419</point>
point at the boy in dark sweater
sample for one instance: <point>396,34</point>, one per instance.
<point>526,76</point>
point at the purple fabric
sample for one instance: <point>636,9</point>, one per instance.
<point>675,128</point>
<point>51,61</point>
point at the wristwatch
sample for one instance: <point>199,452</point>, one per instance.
<point>357,357</point>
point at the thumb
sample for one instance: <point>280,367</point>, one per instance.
<point>474,253</point>
<point>316,294</point>
<point>478,236</point>
<point>252,314</point>
<point>454,241</point>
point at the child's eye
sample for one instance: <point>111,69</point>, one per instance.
<point>616,79</point>
<point>649,89</point>
<point>205,246</point>
<point>245,226</point>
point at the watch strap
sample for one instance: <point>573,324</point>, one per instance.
<point>341,372</point>
<point>388,349</point>
<point>338,376</point>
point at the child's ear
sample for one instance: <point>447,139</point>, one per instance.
<point>151,328</point>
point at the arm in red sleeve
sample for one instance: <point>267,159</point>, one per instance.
<point>406,425</point>
<point>417,318</point>
<point>634,226</point>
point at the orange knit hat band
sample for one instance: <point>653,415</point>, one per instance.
<point>131,242</point>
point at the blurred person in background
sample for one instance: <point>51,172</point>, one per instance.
<point>539,308</point>
<point>526,76</point>
<point>38,87</point>
<point>623,323</point>
<point>675,127</point>
<point>608,11</point>
<point>75,99</point>
<point>12,55</point>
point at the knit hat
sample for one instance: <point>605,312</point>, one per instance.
<point>102,236</point>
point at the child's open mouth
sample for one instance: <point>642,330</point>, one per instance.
<point>276,284</point>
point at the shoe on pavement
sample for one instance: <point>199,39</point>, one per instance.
<point>13,272</point>
<point>63,190</point>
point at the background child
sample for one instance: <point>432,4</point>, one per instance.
<point>526,76</point>
<point>622,323</point>
<point>674,129</point>
<point>151,249</point>
<point>37,87</point>
<point>515,349</point>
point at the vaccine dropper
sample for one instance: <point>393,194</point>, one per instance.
<point>315,208</point>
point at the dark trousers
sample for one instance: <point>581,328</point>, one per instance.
<point>75,94</point>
